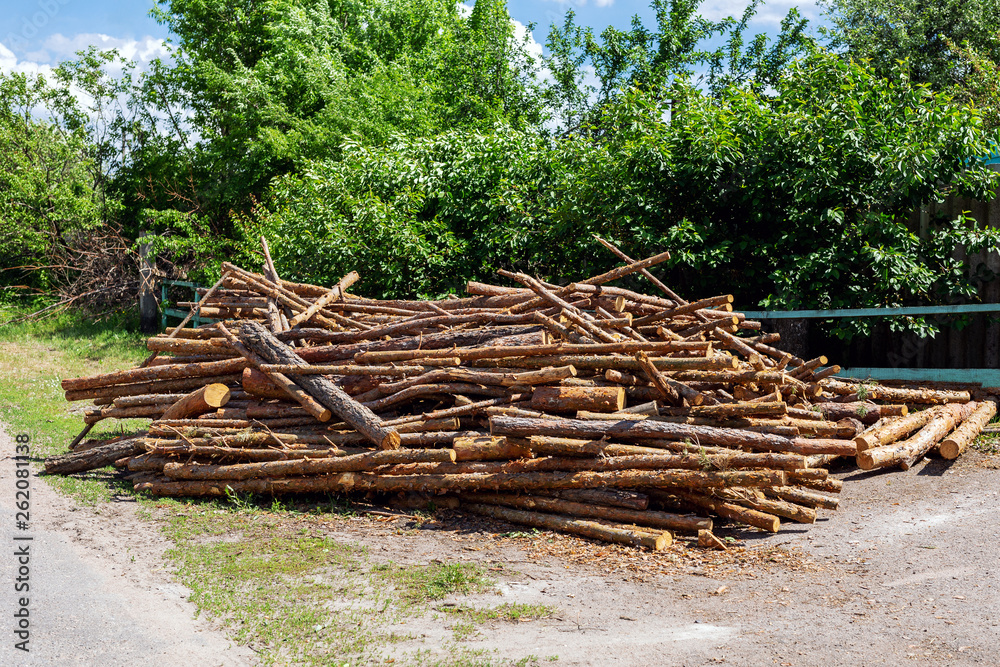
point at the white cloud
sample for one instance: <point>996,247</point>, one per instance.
<point>57,48</point>
<point>771,13</point>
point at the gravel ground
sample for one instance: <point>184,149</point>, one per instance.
<point>904,573</point>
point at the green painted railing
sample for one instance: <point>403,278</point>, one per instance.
<point>872,312</point>
<point>988,377</point>
<point>178,312</point>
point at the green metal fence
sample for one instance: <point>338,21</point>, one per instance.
<point>179,313</point>
<point>989,377</point>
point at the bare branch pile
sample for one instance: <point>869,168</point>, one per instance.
<point>584,408</point>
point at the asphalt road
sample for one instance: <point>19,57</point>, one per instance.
<point>98,593</point>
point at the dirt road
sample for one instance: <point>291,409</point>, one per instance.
<point>904,574</point>
<point>98,592</point>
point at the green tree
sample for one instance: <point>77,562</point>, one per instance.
<point>917,32</point>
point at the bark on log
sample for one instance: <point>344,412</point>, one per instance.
<point>732,511</point>
<point>263,343</point>
<point>803,497</point>
<point>488,448</point>
<point>899,394</point>
<point>904,453</point>
<point>589,529</point>
<point>892,430</point>
<point>305,466</point>
<point>154,374</point>
<point>93,458</point>
<point>953,446</point>
<point>257,383</point>
<point>638,430</point>
<point>608,497</point>
<point>210,397</point>
<point>652,519</point>
<point>571,399</point>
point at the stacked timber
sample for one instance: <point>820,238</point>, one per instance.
<point>585,408</point>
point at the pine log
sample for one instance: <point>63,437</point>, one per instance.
<point>488,448</point>
<point>337,292</point>
<point>161,387</point>
<point>263,343</point>
<point>904,453</point>
<point>210,397</point>
<point>257,383</point>
<point>305,466</point>
<point>892,430</point>
<point>652,519</point>
<point>638,430</point>
<point>589,529</point>
<point>953,446</point>
<point>552,446</point>
<point>781,508</point>
<point>138,412</point>
<point>732,511</point>
<point>144,399</point>
<point>370,482</point>
<point>93,458</point>
<point>899,394</point>
<point>608,497</point>
<point>571,399</point>
<point>803,497</point>
<point>155,373</point>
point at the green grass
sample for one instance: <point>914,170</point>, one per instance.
<point>34,358</point>
<point>263,567</point>
<point>424,583</point>
<point>509,612</point>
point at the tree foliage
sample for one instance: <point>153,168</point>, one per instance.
<point>802,199</point>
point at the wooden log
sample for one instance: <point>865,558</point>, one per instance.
<point>727,410</point>
<point>241,453</point>
<point>609,497</point>
<point>828,485</point>
<point>899,394</point>
<point>488,448</point>
<point>640,430</point>
<point>892,430</point>
<point>535,481</point>
<point>953,446</point>
<point>263,343</point>
<point>780,508</point>
<point>732,511</point>
<point>904,453</point>
<point>144,399</point>
<point>336,292</point>
<point>487,352</point>
<point>803,497</point>
<point>138,412</point>
<point>257,383</point>
<point>603,362</point>
<point>154,374</point>
<point>93,458</point>
<point>209,348</point>
<point>571,399</point>
<point>717,459</point>
<point>710,302</point>
<point>210,397</point>
<point>314,407</point>
<point>652,519</point>
<point>584,528</point>
<point>553,446</point>
<point>867,411</point>
<point>707,540</point>
<point>305,466</point>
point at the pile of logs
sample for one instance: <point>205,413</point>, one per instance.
<point>585,408</point>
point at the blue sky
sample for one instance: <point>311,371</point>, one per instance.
<point>35,34</point>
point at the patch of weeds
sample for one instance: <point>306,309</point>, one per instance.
<point>987,443</point>
<point>423,583</point>
<point>462,630</point>
<point>534,532</point>
<point>511,612</point>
